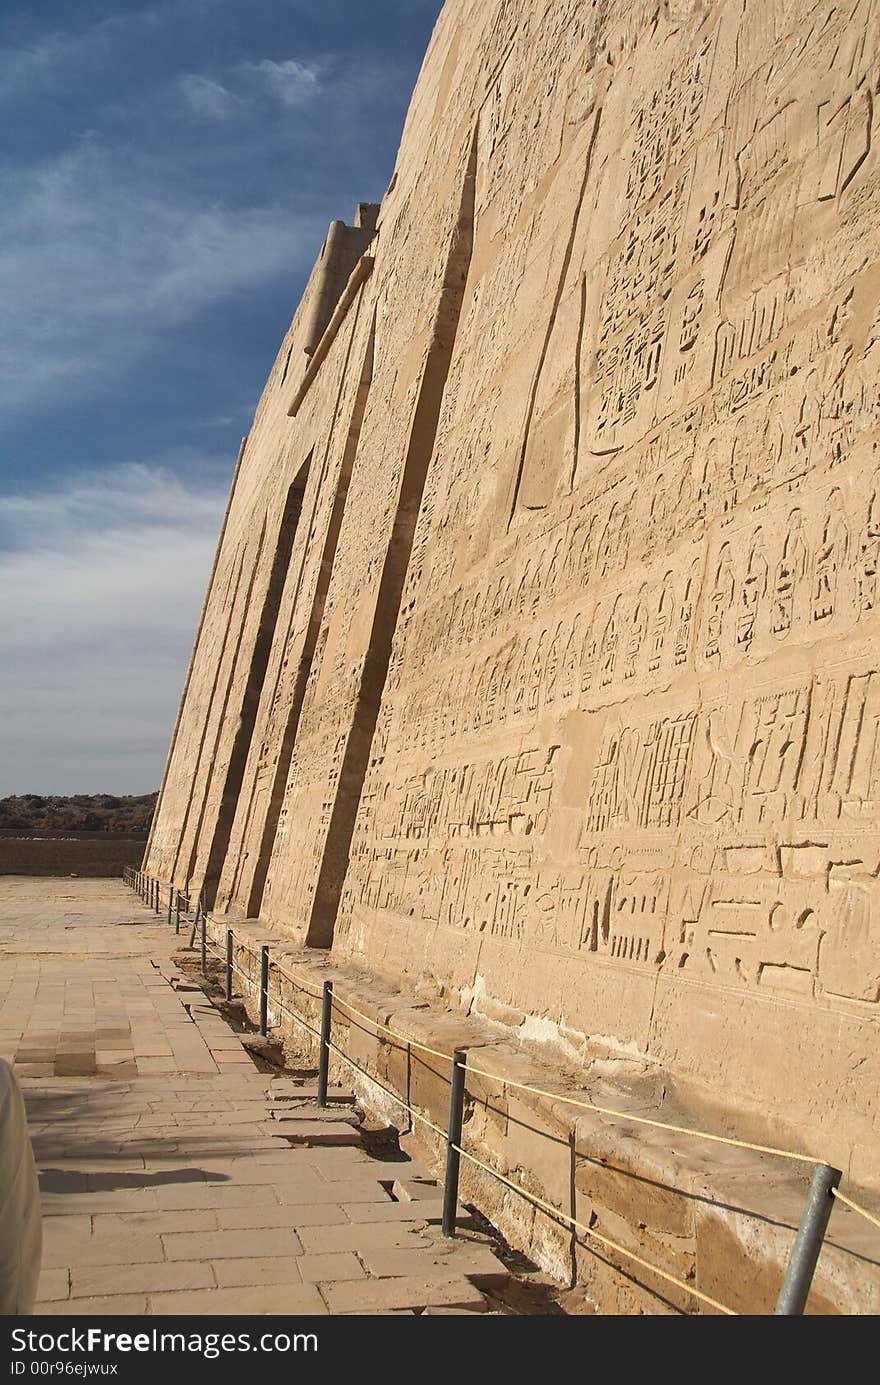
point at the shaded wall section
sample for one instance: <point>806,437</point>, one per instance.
<point>273,488</point>
<point>572,705</point>
<point>268,768</point>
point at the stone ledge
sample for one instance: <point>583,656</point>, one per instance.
<point>717,1216</point>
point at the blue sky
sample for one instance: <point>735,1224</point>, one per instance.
<point>169,171</point>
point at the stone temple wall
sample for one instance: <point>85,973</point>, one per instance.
<point>100,854</point>
<point>541,657</point>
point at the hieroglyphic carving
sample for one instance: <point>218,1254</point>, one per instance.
<point>628,715</point>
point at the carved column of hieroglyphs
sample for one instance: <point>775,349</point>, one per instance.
<point>574,704</point>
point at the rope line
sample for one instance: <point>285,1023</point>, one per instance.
<point>296,1019</point>
<point>417,1115</point>
<point>300,985</point>
<point>221,958</point>
<point>532,1198</point>
<point>411,1043</point>
<point>596,1235</point>
<point>277,1001</point>
<point>856,1207</point>
<point>646,1120</point>
<point>569,1100</point>
<point>294,981</point>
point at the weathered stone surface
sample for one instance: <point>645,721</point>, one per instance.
<point>556,638</point>
<point>206,1217</point>
<point>540,665</point>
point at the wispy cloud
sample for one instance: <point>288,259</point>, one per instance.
<point>208,98</point>
<point>102,580</point>
<point>292,83</point>
<point>67,53</point>
<point>173,169</point>
<point>96,258</point>
<point>230,92</point>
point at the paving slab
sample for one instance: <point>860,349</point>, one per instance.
<point>177,1177</point>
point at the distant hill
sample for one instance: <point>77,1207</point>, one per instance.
<point>81,812</point>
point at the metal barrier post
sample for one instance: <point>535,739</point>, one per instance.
<point>229,964</point>
<point>177,911</point>
<point>808,1242</point>
<point>324,1048</point>
<point>264,989</point>
<point>170,903</point>
<point>204,947</point>
<point>453,1140</point>
<point>156,904</point>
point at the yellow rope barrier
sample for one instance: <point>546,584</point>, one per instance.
<point>294,981</point>
<point>277,1001</point>
<point>596,1235</point>
<point>569,1100</point>
<point>300,985</point>
<point>856,1207</point>
<point>532,1198</point>
<point>646,1120</point>
<point>296,1019</point>
<point>411,1043</point>
<point>387,1090</point>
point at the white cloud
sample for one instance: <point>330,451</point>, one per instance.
<point>103,581</point>
<point>96,258</point>
<point>23,70</point>
<point>291,82</point>
<point>64,54</point>
<point>207,98</point>
<point>218,97</point>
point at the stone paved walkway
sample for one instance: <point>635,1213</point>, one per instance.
<point>176,1177</point>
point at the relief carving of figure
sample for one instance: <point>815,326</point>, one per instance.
<point>830,559</point>
<point>720,607</point>
<point>752,593</point>
<point>869,552</point>
<point>790,576</point>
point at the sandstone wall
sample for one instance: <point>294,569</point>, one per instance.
<point>87,856</point>
<point>558,681</point>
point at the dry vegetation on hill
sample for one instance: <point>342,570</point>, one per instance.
<point>101,812</point>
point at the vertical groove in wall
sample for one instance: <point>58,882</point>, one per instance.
<point>241,627</point>
<point>236,890</point>
<point>554,313</point>
<point>232,610</point>
<point>420,449</point>
<point>155,866</point>
<point>254,686</point>
<point>328,556</point>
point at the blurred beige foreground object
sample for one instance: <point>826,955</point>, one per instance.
<point>20,1228</point>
